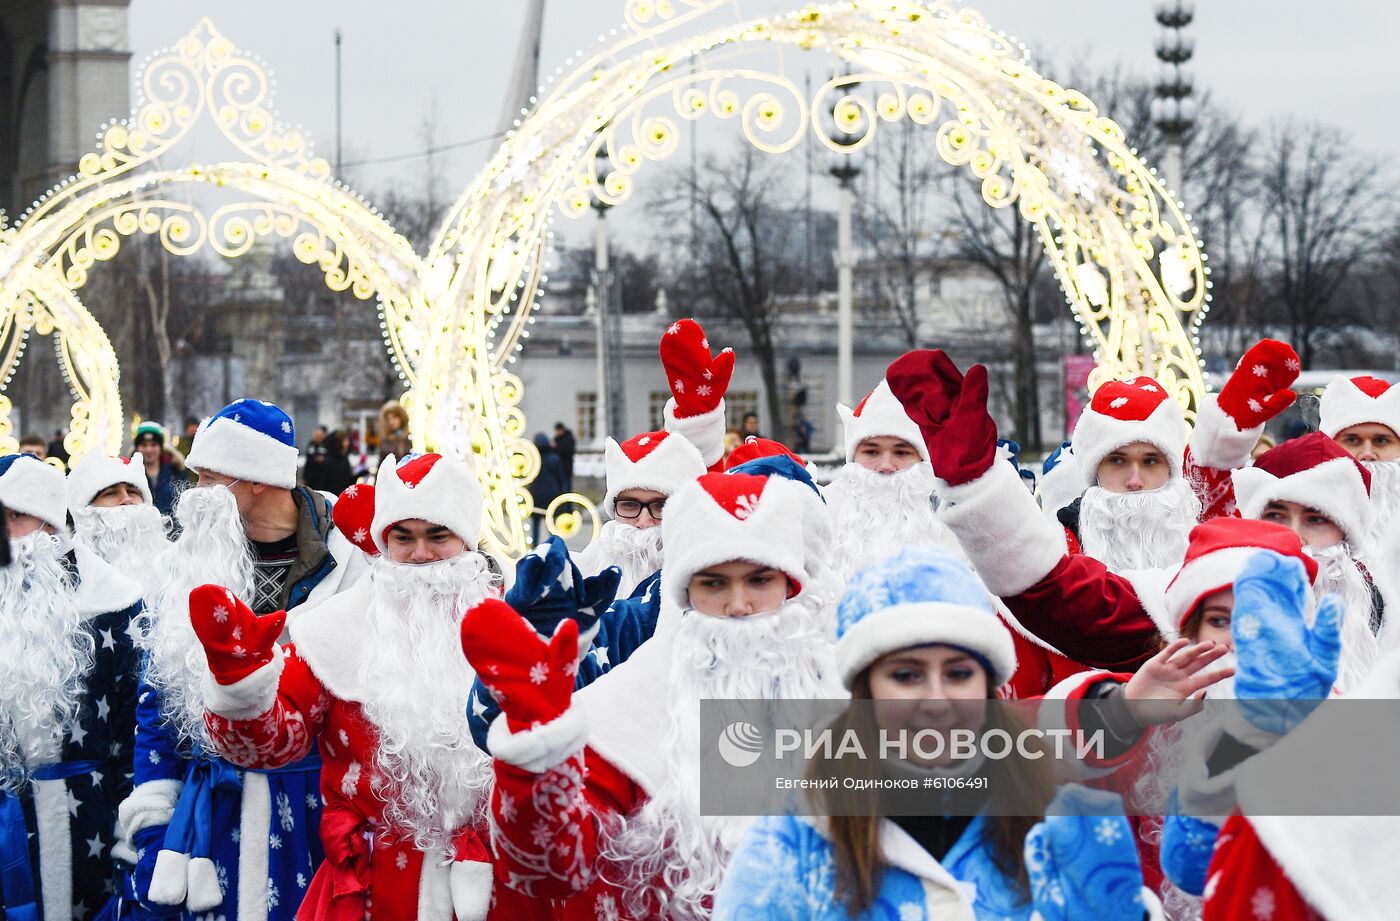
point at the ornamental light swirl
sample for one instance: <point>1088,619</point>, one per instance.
<point>454,321</point>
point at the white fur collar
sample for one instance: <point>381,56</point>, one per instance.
<point>332,635</point>
<point>624,709</point>
<point>102,588</point>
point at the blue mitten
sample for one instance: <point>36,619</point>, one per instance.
<point>1283,669</point>
<point>147,843</point>
<point>1187,846</point>
<point>1082,859</point>
<point>549,588</point>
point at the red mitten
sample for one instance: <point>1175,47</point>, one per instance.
<point>950,410</point>
<point>236,641</point>
<point>354,513</point>
<point>532,681</point>
<point>1259,389</point>
<point>697,380</point>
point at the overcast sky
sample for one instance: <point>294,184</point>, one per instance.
<point>1334,62</point>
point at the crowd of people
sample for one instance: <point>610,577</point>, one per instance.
<point>228,691</point>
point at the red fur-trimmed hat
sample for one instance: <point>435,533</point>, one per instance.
<point>1313,471</point>
<point>1124,412</point>
<point>661,461</point>
<point>1218,551</point>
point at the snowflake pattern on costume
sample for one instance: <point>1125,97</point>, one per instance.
<point>284,812</point>
<point>350,783</point>
<point>1263,904</point>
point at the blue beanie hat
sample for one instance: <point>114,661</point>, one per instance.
<point>918,597</point>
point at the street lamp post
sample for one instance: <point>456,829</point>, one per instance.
<point>1174,111</point>
<point>845,168</point>
<point>844,171</point>
<point>610,392</point>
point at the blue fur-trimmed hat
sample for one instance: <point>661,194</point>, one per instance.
<point>248,440</point>
<point>33,487</point>
<point>919,597</point>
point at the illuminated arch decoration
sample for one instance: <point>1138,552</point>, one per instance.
<point>1124,252</point>
<point>279,190</point>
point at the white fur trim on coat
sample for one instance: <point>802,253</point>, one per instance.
<point>204,893</point>
<point>1053,715</point>
<point>1217,441</point>
<point>705,431</point>
<point>235,450</point>
<point>1344,404</point>
<point>170,880</point>
<point>471,889</point>
<point>151,803</point>
<point>254,822</point>
<point>55,847</point>
<point>914,624</point>
<point>249,697</point>
<point>434,888</point>
<point>102,588</point>
<point>539,748</point>
<point>1333,487</point>
<point>1150,586</point>
<point>994,514</point>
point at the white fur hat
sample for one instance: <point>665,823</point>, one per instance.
<point>32,487</point>
<point>1357,400</point>
<point>1122,412</point>
<point>430,487</point>
<point>732,516</point>
<point>1313,471</point>
<point>95,471</point>
<point>920,596</point>
<point>879,415</point>
<point>247,440</point>
<point>662,461</point>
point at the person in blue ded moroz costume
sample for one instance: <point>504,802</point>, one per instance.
<point>67,704</point>
<point>202,835</point>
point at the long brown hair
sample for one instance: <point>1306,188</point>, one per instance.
<point>855,834</point>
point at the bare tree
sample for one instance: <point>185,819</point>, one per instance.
<point>748,220</point>
<point>1318,202</point>
<point>1004,245</point>
<point>898,226</point>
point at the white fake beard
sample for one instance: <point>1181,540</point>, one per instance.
<point>1338,574</point>
<point>211,549</point>
<point>1151,791</point>
<point>130,537</point>
<point>1138,530</point>
<point>637,550</point>
<point>1385,500</point>
<point>45,655</point>
<point>670,857</point>
<point>428,771</point>
<point>875,515</point>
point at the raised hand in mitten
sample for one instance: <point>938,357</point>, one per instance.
<point>1082,859</point>
<point>531,680</point>
<point>354,515</point>
<point>1283,668</point>
<point>236,641</point>
<point>1258,390</point>
<point>549,588</point>
<point>697,379</point>
<point>950,409</point>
